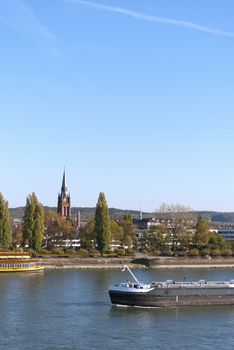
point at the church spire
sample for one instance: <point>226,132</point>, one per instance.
<point>64,187</point>
<point>64,200</point>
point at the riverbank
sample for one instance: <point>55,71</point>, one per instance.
<point>132,262</point>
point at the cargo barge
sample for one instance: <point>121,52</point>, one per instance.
<point>171,293</point>
<point>19,262</point>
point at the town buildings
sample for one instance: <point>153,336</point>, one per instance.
<point>226,231</point>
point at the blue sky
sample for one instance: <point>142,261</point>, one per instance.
<point>135,97</point>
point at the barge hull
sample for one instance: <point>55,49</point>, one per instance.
<point>147,300</point>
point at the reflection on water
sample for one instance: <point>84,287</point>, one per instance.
<point>72,310</point>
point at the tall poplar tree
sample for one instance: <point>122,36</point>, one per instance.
<point>201,235</point>
<point>102,224</point>
<point>5,227</point>
<point>33,228</point>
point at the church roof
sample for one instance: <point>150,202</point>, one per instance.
<point>64,187</point>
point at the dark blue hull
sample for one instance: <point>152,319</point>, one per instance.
<point>174,297</point>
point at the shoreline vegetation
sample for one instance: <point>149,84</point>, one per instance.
<point>73,263</point>
<point>176,239</point>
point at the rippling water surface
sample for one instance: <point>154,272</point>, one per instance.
<point>71,310</point>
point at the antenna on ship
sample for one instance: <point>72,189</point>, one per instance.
<point>126,267</point>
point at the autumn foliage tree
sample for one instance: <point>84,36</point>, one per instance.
<point>58,228</point>
<point>177,218</point>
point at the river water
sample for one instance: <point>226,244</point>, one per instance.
<point>71,310</point>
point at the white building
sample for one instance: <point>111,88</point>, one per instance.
<point>227,232</point>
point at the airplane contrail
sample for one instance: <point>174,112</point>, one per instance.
<point>156,19</point>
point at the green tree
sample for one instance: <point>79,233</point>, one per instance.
<point>127,225</point>
<point>186,240</point>
<point>144,242</point>
<point>39,228</point>
<point>193,252</point>
<point>5,227</point>
<point>87,235</point>
<point>216,241</point>
<point>128,241</point>
<point>33,227</point>
<point>157,240</point>
<point>117,233</point>
<point>102,224</point>
<point>201,236</point>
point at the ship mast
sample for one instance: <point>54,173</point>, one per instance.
<point>126,267</point>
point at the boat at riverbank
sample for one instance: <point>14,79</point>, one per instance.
<point>19,262</point>
<point>171,293</point>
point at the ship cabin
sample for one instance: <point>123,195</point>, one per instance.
<point>14,261</point>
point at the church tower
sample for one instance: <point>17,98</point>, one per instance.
<point>64,200</point>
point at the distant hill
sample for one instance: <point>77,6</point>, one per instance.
<point>85,213</point>
<point>222,217</point>
<point>16,212</point>
<point>88,213</point>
